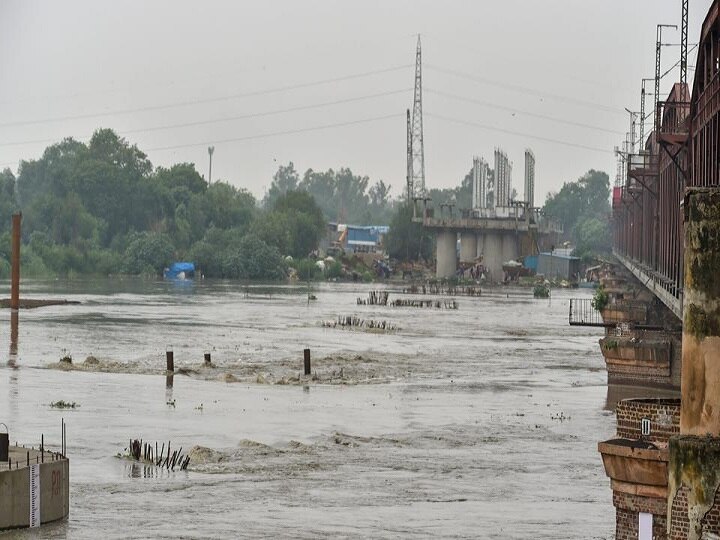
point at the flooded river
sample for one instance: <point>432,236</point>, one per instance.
<point>480,422</point>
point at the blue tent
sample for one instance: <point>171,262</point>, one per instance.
<point>180,270</point>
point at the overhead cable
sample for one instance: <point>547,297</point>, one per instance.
<point>204,101</point>
<point>510,132</point>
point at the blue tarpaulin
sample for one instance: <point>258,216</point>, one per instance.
<point>180,270</point>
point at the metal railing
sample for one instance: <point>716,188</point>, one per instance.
<point>582,313</point>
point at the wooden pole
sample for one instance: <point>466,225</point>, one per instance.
<point>15,263</point>
<point>306,354</point>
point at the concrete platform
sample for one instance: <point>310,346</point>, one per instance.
<point>30,470</point>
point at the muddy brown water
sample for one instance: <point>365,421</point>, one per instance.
<point>481,422</point>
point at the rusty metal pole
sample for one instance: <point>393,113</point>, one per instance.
<point>15,263</point>
<point>170,360</point>
<point>306,358</point>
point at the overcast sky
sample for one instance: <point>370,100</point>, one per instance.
<point>325,84</point>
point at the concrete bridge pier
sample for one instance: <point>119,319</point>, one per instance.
<point>480,244</point>
<point>694,470</point>
<point>446,253</point>
<point>468,246</point>
<point>493,255</point>
<point>510,248</point>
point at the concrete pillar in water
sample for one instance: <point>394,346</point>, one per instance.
<point>510,250</point>
<point>694,480</point>
<point>446,253</point>
<point>480,245</point>
<point>468,247</point>
<point>493,255</point>
<point>15,263</point>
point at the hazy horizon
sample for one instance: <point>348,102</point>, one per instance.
<point>326,84</point>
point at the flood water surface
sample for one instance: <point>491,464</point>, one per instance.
<point>480,422</point>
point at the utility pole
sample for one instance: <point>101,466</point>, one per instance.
<point>658,47</point>
<point>633,122</point>
<point>418,148</point>
<point>642,114</point>
<point>211,151</point>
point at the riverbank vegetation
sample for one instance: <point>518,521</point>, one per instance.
<point>102,208</point>
<point>583,208</point>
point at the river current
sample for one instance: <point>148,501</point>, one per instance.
<point>480,422</point>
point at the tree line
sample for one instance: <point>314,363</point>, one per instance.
<point>102,208</point>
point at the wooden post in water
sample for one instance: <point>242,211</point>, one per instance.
<point>15,263</point>
<point>306,354</point>
<point>170,359</point>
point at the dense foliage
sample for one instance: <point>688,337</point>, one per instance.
<point>342,196</point>
<point>408,240</point>
<point>101,208</point>
<point>583,208</point>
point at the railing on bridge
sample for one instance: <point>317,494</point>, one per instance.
<point>582,313</point>
<point>685,152</point>
<point>628,313</point>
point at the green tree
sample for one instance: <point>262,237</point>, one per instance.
<point>148,252</point>
<point>583,207</point>
<point>285,179</point>
<point>408,240</point>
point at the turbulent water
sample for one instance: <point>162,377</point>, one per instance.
<point>480,422</point>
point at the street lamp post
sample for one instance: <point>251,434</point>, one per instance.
<point>211,151</point>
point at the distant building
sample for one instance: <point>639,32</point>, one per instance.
<point>357,238</point>
<point>553,265</point>
<point>530,178</point>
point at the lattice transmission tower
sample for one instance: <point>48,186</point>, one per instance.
<point>683,42</point>
<point>416,182</point>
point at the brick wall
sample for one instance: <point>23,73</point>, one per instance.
<point>680,523</point>
<point>664,415</point>
<point>711,521</point>
<point>641,375</point>
<point>627,509</point>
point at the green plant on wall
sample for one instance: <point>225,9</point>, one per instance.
<point>610,345</point>
<point>600,299</point>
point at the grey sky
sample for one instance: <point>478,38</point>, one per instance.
<point>74,59</point>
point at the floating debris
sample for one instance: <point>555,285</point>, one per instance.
<point>63,405</point>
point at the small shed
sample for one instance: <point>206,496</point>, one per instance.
<point>556,266</point>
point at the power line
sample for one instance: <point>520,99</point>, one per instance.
<point>525,90</point>
<point>520,111</point>
<point>231,118</point>
<point>510,132</point>
<point>208,100</point>
<point>676,64</point>
<point>278,133</point>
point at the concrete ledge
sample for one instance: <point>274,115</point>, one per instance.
<point>15,488</point>
<point>639,466</point>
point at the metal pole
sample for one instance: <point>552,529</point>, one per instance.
<point>658,47</point>
<point>211,151</point>
<point>15,256</point>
